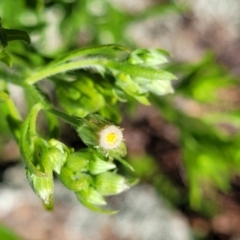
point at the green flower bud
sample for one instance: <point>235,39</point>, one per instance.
<point>80,97</point>
<point>78,161</point>
<point>42,186</point>
<point>92,196</point>
<point>97,166</point>
<point>132,88</point>
<point>74,182</point>
<point>109,183</point>
<point>148,57</point>
<point>157,87</point>
<point>58,154</point>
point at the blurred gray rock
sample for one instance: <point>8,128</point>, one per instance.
<point>143,215</point>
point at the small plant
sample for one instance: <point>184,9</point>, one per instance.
<point>89,84</point>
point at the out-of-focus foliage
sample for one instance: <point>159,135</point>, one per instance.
<point>6,233</point>
<point>209,152</point>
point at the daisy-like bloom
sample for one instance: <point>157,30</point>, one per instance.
<point>110,137</point>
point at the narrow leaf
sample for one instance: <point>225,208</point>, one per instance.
<point>125,164</point>
<point>15,34</point>
<point>110,50</point>
<point>4,96</point>
<point>5,58</point>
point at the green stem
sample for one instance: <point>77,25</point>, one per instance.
<point>26,141</point>
<point>86,63</point>
<point>75,121</point>
<point>109,49</point>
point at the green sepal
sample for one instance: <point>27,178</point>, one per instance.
<point>91,125</point>
<point>120,151</point>
<point>125,164</point>
<point>94,207</point>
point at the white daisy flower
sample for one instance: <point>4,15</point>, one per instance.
<point>110,137</point>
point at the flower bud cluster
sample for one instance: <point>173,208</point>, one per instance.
<point>46,157</point>
<point>80,97</point>
<point>92,177</point>
<point>144,76</point>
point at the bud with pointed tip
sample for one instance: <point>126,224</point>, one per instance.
<point>42,186</point>
<point>109,183</point>
<point>92,196</point>
<point>97,166</point>
<point>58,154</point>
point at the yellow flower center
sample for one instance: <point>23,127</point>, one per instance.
<point>111,138</point>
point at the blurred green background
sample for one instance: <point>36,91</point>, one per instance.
<point>186,145</point>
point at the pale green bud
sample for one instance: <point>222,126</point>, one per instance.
<point>97,166</point>
<point>157,87</point>
<point>131,87</point>
<point>58,154</point>
<point>42,186</point>
<point>148,57</point>
<point>109,183</point>
<point>92,196</point>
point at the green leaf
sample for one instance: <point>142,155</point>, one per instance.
<point>5,58</point>
<point>138,71</point>
<point>15,34</point>
<point>116,67</point>
<point>8,234</point>
<point>110,50</point>
<point>4,96</point>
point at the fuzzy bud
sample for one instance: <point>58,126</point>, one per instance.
<point>109,183</point>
